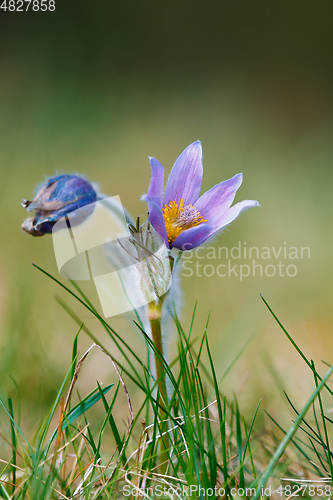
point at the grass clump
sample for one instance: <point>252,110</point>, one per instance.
<point>195,444</point>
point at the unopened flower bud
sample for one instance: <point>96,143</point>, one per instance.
<point>57,197</point>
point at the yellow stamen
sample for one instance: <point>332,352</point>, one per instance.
<point>178,218</point>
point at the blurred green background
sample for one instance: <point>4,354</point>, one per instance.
<point>96,88</point>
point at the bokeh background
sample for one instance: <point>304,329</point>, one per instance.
<point>96,88</point>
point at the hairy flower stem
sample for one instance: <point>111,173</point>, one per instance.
<point>157,339</point>
<point>155,317</point>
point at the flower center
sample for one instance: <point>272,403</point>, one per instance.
<point>177,218</point>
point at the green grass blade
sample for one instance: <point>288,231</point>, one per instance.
<point>117,339</point>
<point>81,408</point>
<point>247,435</point>
<point>109,418</point>
<point>318,437</point>
<point>235,359</point>
<point>250,430</point>
<point>327,450</point>
<point>96,341</point>
<point>74,351</point>
<point>222,418</point>
<point>300,449</point>
<point>239,445</point>
<point>17,427</point>
<point>13,435</point>
<point>293,342</point>
<point>288,437</point>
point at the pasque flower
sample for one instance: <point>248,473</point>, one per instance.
<point>180,217</point>
<point>57,197</point>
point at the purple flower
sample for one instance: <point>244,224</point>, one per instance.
<point>56,198</point>
<point>181,218</point>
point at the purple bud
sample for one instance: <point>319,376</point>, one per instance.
<point>57,197</point>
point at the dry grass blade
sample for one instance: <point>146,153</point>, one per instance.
<point>11,445</point>
<point>131,414</point>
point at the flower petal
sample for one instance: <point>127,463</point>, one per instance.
<point>156,216</point>
<point>186,176</point>
<point>193,237</point>
<point>61,191</point>
<point>157,180</point>
<point>57,197</point>
<point>234,212</point>
<point>215,202</point>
